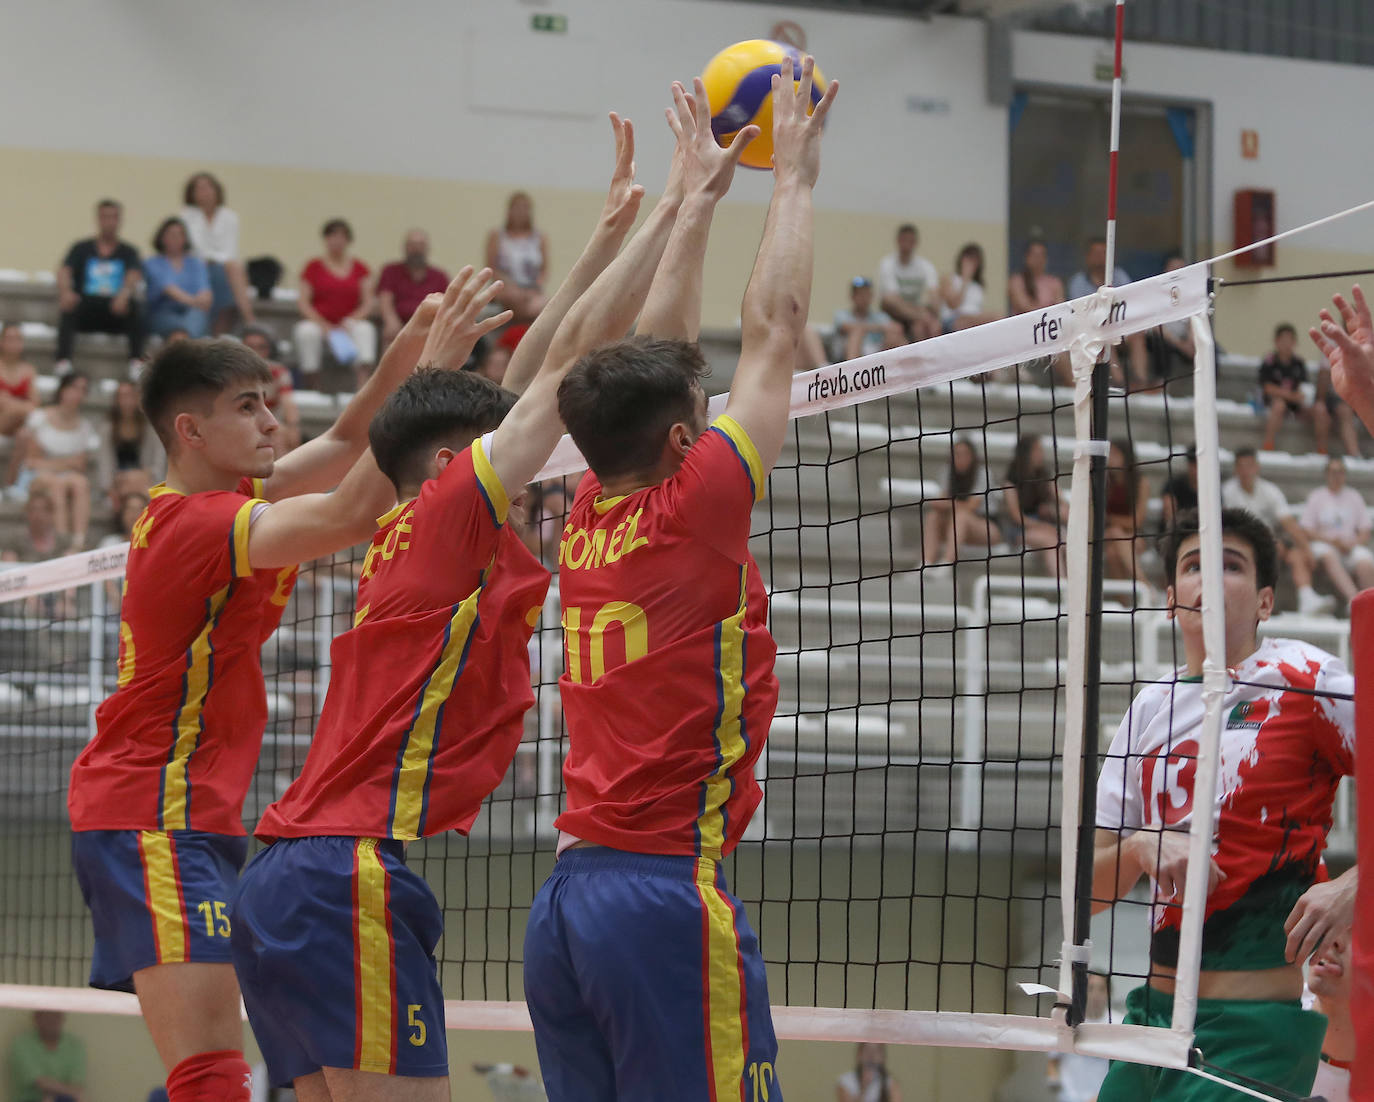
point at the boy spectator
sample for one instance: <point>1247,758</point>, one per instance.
<point>907,284</point>
<point>1284,384</point>
<point>46,1064</point>
<point>403,284</point>
<point>95,288</point>
<point>1336,520</point>
<point>1248,491</point>
<point>863,329</point>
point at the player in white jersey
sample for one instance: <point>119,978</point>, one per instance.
<point>1288,739</point>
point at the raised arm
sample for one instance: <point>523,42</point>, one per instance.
<point>306,526</point>
<point>321,463</point>
<point>673,308</point>
<point>1349,349</point>
<point>611,228</point>
<point>779,292</point>
<point>527,436</point>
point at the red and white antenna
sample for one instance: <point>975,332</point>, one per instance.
<point>1115,143</point>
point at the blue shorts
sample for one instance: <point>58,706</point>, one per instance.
<point>156,897</point>
<point>334,948</point>
<point>644,980</point>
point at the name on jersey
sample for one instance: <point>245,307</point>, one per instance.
<point>580,549</point>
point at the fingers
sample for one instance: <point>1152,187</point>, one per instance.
<point>823,108</point>
<point>1342,340</point>
<point>701,103</point>
<point>494,322</point>
<point>1362,308</point>
<point>457,284</point>
<point>741,139</point>
<point>674,123</point>
<point>1327,348</point>
<point>807,78</point>
<point>625,154</point>
<point>686,110</point>
<point>1347,312</point>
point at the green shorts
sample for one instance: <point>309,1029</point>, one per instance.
<point>1275,1042</point>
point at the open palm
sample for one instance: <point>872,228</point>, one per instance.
<point>1349,348</point>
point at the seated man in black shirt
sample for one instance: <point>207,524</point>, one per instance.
<point>1180,491</point>
<point>95,288</point>
<point>1284,383</point>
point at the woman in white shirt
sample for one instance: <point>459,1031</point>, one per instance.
<point>519,255</point>
<point>214,232</point>
<point>962,295</point>
<point>58,444</point>
<point>870,1080</point>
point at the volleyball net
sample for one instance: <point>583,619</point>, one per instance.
<point>956,646</point>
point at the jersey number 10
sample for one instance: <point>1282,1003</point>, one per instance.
<point>591,640</point>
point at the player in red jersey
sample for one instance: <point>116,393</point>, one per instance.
<point>1287,741</point>
<point>156,798</point>
<point>333,936</point>
<point>642,975</point>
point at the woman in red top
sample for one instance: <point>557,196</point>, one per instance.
<point>16,391</point>
<point>336,304</point>
<point>1128,501</point>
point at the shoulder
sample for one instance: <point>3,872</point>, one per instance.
<point>359,269</point>
<point>126,249</point>
<point>734,436</point>
<point>312,268</point>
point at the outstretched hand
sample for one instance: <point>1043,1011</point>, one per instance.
<point>622,201</point>
<point>1348,346</point>
<point>797,135</point>
<point>456,323</point>
<point>1325,911</point>
<point>706,168</point>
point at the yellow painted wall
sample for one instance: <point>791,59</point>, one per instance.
<point>47,199</point>
<point>122,1065</point>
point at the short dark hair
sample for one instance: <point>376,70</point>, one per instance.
<point>1246,453</point>
<point>908,227</point>
<point>109,203</point>
<point>167,224</point>
<point>1285,327</point>
<point>431,409</point>
<point>195,372</point>
<point>1234,522</point>
<point>188,195</point>
<point>337,224</point>
<point>1096,239</point>
<point>620,400</point>
<point>70,379</point>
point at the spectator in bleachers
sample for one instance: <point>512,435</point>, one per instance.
<point>1034,509</point>
<point>47,1064</point>
<point>58,445</point>
<point>128,509</point>
<point>131,457</point>
<point>811,350</point>
<point>281,398</point>
<point>959,517</point>
<point>908,287</point>
<point>861,329</point>
<point>1180,489</point>
<point>1247,490</point>
<point>869,1080</point>
<point>17,398</point>
<point>1086,282</point>
<point>214,232</point>
<point>1336,520</point>
<point>1170,346</point>
<point>95,288</point>
<point>1033,288</point>
<point>40,540</point>
<point>1342,416</point>
<point>1128,501</point>
<point>178,284</point>
<point>404,283</point>
<point>1287,391</point>
<point>963,296</point>
<point>335,305</point>
<point>519,255</point>
<point>490,358</point>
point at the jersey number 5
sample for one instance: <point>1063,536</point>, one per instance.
<point>591,640</point>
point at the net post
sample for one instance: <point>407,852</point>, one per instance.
<point>1362,951</point>
<point>95,662</point>
<point>1214,675</point>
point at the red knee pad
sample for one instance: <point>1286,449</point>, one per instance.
<point>211,1077</point>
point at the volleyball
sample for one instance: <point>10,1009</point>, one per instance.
<point>739,82</point>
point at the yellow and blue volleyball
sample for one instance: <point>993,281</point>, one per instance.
<point>739,85</point>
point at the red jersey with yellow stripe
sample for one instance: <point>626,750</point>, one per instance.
<point>669,689</point>
<point>429,689</point>
<point>178,740</point>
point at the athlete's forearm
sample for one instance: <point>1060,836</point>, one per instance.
<point>779,292</point>
<point>673,308</point>
<point>1116,867</point>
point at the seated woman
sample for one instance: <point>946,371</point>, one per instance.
<point>17,399</point>
<point>1032,502</point>
<point>519,255</point>
<point>869,1080</point>
<point>1034,288</point>
<point>178,284</point>
<point>962,294</point>
<point>336,305</point>
<point>960,517</point>
<point>131,457</point>
<point>57,447</point>
<point>214,230</point>
<point>1128,500</point>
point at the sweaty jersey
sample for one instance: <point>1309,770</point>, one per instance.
<point>429,689</point>
<point>1288,737</point>
<point>178,740</point>
<point>669,689</point>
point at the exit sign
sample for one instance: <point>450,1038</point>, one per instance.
<point>546,21</point>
